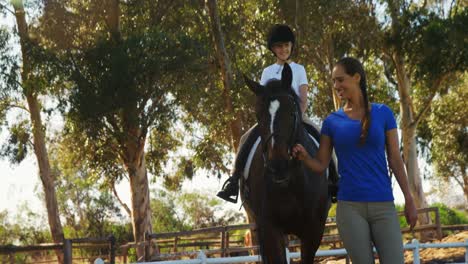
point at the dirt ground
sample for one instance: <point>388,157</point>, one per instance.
<point>429,255</point>
<point>442,255</point>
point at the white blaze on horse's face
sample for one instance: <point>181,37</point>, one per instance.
<point>274,106</point>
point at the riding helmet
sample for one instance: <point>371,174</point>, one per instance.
<point>280,33</point>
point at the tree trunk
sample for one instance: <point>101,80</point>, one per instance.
<point>226,72</point>
<point>465,183</point>
<point>134,161</point>
<point>141,211</point>
<point>409,122</point>
<point>408,127</point>
<point>38,130</point>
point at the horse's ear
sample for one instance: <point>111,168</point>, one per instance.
<point>286,76</point>
<point>254,86</point>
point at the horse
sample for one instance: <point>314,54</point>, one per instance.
<point>281,194</point>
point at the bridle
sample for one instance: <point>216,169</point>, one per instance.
<point>290,141</point>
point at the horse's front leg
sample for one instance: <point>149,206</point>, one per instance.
<point>272,245</point>
<point>308,250</point>
<point>310,242</point>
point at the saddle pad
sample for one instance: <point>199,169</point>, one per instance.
<point>254,149</point>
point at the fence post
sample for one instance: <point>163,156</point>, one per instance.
<point>415,242</point>
<point>439,227</point>
<point>67,251</point>
<point>223,243</point>
<point>176,241</point>
<point>227,242</point>
<point>112,249</point>
<point>201,256</point>
<point>146,246</point>
<point>466,250</point>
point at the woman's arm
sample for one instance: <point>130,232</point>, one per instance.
<point>303,89</point>
<point>396,165</point>
<point>321,161</point>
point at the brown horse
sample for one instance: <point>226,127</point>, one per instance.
<point>282,194</point>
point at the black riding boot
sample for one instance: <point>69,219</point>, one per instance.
<point>230,189</point>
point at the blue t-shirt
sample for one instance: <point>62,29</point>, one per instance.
<point>363,168</point>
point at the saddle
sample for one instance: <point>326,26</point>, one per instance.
<point>331,173</point>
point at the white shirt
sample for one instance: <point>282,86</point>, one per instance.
<point>274,72</point>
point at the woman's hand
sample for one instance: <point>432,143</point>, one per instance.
<point>411,214</point>
<point>300,153</point>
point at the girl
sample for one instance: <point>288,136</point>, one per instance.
<point>280,42</point>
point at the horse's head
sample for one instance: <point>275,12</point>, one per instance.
<point>280,121</point>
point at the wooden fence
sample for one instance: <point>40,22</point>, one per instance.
<point>227,240</point>
<point>217,241</point>
<point>66,249</point>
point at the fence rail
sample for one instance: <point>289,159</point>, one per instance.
<point>66,248</point>
<point>414,246</point>
<point>221,237</point>
<point>214,241</point>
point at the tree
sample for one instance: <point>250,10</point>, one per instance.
<point>200,210</point>
<point>120,82</point>
<point>448,136</point>
<point>30,85</point>
<point>326,34</point>
<point>84,195</point>
<point>424,50</point>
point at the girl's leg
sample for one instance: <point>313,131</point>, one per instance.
<point>230,189</point>
<point>386,232</point>
<point>351,218</point>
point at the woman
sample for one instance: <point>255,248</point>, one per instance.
<point>280,42</point>
<point>361,133</point>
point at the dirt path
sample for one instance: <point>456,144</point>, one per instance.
<point>428,255</point>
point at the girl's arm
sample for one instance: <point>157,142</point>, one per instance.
<point>397,166</point>
<point>321,161</point>
<point>303,89</point>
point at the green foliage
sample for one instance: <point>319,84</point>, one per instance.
<point>449,216</point>
<point>445,133</point>
<point>175,211</point>
<point>19,142</point>
<point>84,197</point>
<point>22,228</point>
<point>436,45</point>
<point>199,210</point>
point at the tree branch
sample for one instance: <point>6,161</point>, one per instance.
<point>7,9</point>
<point>388,74</point>
<point>9,106</point>
<point>124,205</point>
<point>427,105</point>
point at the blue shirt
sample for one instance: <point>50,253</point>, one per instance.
<point>363,168</point>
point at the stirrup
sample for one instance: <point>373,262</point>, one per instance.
<point>224,193</point>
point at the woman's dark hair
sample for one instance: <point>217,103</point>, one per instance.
<point>352,66</point>
<point>280,33</point>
